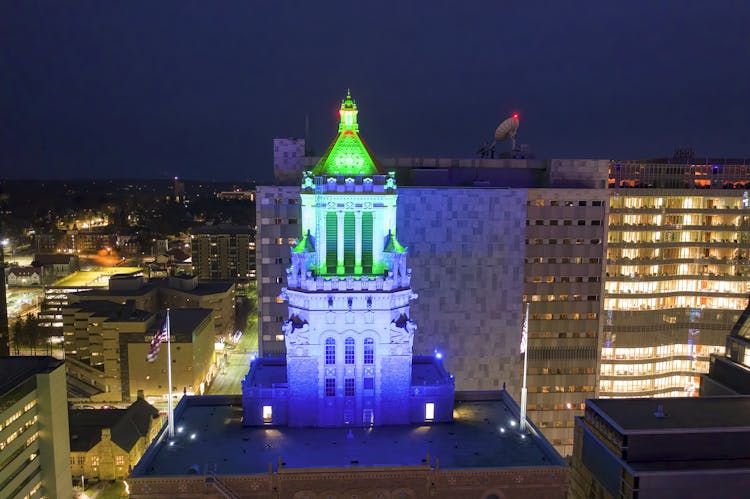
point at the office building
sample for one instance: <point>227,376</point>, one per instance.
<point>56,296</point>
<point>152,295</point>
<point>93,349</point>
<point>224,253</point>
<point>662,448</point>
<point>729,374</point>
<point>349,411</point>
<point>677,273</point>
<point>349,332</point>
<point>565,250</point>
<point>34,448</point>
<point>106,346</point>
<point>193,367</point>
<point>491,235</point>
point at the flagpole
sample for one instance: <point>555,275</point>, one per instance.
<point>170,409</point>
<point>522,423</point>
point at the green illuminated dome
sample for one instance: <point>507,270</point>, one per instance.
<point>348,154</point>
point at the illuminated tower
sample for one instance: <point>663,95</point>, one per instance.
<point>349,336</point>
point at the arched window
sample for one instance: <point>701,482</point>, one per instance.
<point>349,351</point>
<point>369,351</point>
<point>330,351</point>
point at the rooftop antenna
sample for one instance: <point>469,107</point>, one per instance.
<point>507,130</point>
<point>504,131</point>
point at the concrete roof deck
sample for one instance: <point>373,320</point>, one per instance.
<point>696,413</point>
<point>16,370</point>
<point>475,440</point>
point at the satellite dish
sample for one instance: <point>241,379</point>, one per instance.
<point>507,130</point>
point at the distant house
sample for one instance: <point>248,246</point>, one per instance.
<point>173,256</point>
<point>25,276</point>
<point>106,443</point>
<point>55,265</point>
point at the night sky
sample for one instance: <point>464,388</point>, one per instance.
<point>154,89</point>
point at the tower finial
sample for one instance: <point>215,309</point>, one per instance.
<point>348,113</point>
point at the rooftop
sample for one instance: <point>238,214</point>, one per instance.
<point>126,425</point>
<point>187,320</point>
<point>112,311</point>
<point>687,413</point>
<point>93,278</point>
<point>210,432</point>
<point>224,229</point>
<point>52,258</point>
<point>201,289</point>
<point>16,370</point>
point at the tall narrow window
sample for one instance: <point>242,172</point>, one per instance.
<point>330,387</point>
<point>332,228</point>
<point>369,351</point>
<point>367,242</point>
<point>349,387</point>
<point>349,233</point>
<point>330,351</point>
<point>349,351</point>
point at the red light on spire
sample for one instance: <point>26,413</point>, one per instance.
<point>515,116</point>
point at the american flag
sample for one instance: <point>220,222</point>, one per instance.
<point>525,331</point>
<point>159,338</point>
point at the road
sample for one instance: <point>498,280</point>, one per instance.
<point>229,379</point>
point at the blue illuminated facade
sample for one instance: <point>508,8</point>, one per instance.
<point>349,332</point>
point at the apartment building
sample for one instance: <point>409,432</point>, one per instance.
<point>224,253</point>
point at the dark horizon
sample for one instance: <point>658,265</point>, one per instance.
<point>157,90</point>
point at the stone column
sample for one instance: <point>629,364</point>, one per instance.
<point>358,242</point>
<point>320,237</point>
<point>377,236</point>
<point>340,243</point>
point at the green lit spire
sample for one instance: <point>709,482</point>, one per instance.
<point>348,113</point>
<point>348,154</point>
